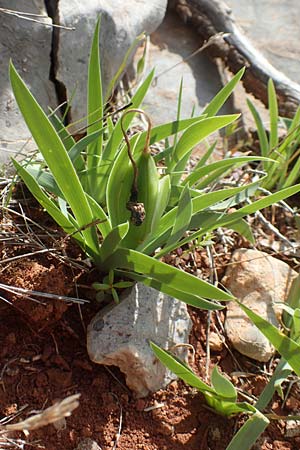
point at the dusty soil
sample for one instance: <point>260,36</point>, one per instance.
<point>43,358</point>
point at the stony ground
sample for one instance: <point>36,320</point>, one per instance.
<point>43,356</point>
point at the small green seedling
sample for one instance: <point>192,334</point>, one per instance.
<point>110,286</point>
<point>221,396</point>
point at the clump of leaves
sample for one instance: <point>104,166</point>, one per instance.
<point>116,201</point>
<point>222,395</point>
<point>109,285</point>
<point>286,152</point>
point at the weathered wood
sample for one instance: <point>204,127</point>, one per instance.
<point>210,17</point>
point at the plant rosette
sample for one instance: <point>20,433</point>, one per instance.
<point>127,208</point>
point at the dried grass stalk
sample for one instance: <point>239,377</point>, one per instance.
<point>50,415</point>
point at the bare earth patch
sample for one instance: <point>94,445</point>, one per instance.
<point>43,359</point>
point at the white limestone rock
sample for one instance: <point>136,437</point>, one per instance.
<point>120,337</point>
<point>121,22</point>
<point>28,44</point>
<point>258,281</point>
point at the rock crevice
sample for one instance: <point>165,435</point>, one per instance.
<point>52,7</point>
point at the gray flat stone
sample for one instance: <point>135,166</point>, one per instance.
<point>120,337</point>
<point>121,22</point>
<point>273,27</point>
<point>258,280</point>
<point>170,45</point>
<point>28,44</point>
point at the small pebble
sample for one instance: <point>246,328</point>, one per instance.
<point>292,428</point>
<point>87,444</point>
<point>165,428</point>
<point>215,342</point>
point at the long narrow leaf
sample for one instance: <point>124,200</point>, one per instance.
<point>262,134</point>
<point>226,219</point>
<point>55,155</point>
<point>218,101</point>
<point>163,195</point>
<point>183,217</point>
<point>46,202</point>
<point>187,297</point>
<point>288,348</point>
<point>44,179</point>
<point>196,133</point>
<point>218,401</point>
<point>180,369</point>
<point>114,80</point>
<point>209,220</point>
<point>125,258</point>
<point>282,371</point>
<point>179,104</point>
<point>199,204</point>
<point>80,146</point>
<point>165,130</point>
<point>95,113</point>
<point>225,164</point>
<point>273,109</point>
<point>246,437</point>
<point>113,240</point>
<point>104,225</point>
<point>203,160</point>
<point>242,227</point>
<point>293,301</point>
<point>223,386</point>
<point>293,176</point>
<point>118,188</point>
<point>63,132</point>
<point>112,147</point>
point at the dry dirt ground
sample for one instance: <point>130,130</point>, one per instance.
<point>43,356</point>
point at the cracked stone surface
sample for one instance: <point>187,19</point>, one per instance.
<point>28,44</point>
<point>258,280</point>
<point>120,337</point>
<point>121,23</point>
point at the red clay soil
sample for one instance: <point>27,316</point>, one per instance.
<point>43,359</point>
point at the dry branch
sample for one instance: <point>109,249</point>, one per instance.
<point>210,17</point>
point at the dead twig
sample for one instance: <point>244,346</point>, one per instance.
<point>27,292</point>
<point>118,434</point>
<point>30,18</point>
<point>50,415</point>
<point>205,45</point>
